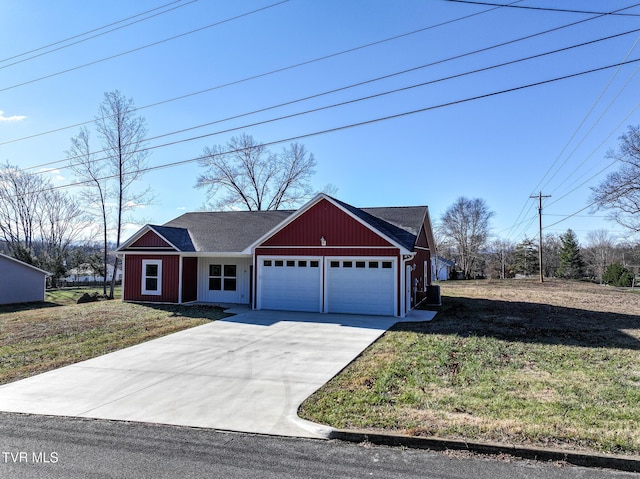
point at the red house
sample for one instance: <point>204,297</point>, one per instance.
<point>327,257</point>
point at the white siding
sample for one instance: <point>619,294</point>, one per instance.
<point>239,296</point>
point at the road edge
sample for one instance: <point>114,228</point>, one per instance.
<point>606,461</point>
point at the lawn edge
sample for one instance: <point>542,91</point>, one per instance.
<point>584,459</point>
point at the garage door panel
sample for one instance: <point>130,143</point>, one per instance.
<point>293,285</point>
<point>354,286</point>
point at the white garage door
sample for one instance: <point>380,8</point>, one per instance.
<point>365,286</point>
<point>290,284</point>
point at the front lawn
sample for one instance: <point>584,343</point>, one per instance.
<point>515,361</point>
<point>64,296</point>
<point>40,337</point>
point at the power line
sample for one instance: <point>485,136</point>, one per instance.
<point>368,97</point>
<point>585,182</point>
<point>594,203</point>
<point>599,172</point>
<point>393,75</point>
<point>609,105</point>
<point>571,215</point>
<point>544,9</point>
<point>94,36</point>
<point>597,147</point>
<point>522,230</point>
<point>95,62</point>
<point>575,215</point>
<point>92,31</point>
<point>304,63</point>
<point>526,205</point>
<point>366,122</point>
<point>529,220</point>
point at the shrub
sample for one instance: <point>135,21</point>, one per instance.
<point>617,275</point>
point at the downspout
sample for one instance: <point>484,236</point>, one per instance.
<point>254,281</point>
<point>405,259</point>
<point>180,261</point>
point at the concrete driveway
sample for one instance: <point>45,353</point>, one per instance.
<point>248,373</point>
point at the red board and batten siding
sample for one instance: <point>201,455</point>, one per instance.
<point>325,220</point>
<point>150,240</point>
<point>344,236</point>
<point>133,278</point>
<point>423,254</point>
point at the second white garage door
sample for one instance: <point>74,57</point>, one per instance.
<point>364,286</point>
<point>291,284</point>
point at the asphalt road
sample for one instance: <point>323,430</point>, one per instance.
<point>54,447</point>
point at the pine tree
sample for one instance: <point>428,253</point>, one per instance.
<point>526,258</point>
<point>617,275</point>
<point>571,262</point>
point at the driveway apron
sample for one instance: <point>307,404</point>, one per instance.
<point>248,373</point>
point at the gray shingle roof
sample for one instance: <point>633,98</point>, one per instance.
<point>234,231</point>
<point>227,231</point>
<point>404,223</point>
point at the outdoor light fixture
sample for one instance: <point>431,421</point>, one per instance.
<point>323,242</point>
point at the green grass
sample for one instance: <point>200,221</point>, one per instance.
<point>508,363</point>
<point>38,338</point>
<point>64,296</point>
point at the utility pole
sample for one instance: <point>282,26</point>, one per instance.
<point>540,196</point>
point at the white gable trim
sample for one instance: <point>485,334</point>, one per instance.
<point>303,209</point>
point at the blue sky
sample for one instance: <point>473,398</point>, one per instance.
<point>503,148</point>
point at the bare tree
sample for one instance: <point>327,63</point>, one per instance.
<point>500,259</point>
<point>20,194</point>
<point>244,174</point>
<point>466,224</point>
<point>37,222</point>
<point>92,173</point>
<point>123,137</point>
<point>61,220</point>
<point>551,245</point>
<point>620,191</point>
<point>599,252</point>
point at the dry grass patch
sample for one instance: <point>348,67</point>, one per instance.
<point>38,338</point>
<point>514,361</point>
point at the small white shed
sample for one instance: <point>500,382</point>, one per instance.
<point>20,282</point>
<point>441,268</point>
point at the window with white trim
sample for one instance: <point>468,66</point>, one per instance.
<point>152,277</point>
<point>222,277</point>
